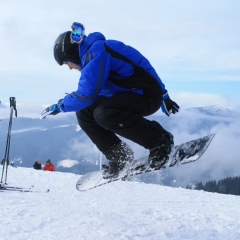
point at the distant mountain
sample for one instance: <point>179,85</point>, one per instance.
<point>214,110</point>
<point>2,106</point>
<point>60,139</point>
<point>52,138</point>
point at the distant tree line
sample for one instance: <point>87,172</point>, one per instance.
<point>230,185</point>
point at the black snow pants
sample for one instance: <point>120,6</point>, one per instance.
<point>123,115</point>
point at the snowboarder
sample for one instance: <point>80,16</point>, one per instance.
<point>117,89</point>
<point>49,166</point>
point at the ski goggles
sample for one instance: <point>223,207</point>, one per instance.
<point>77,34</point>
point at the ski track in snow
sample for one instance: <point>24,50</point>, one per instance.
<point>119,210</point>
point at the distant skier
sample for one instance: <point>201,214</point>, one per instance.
<point>49,166</point>
<point>117,88</point>
<point>37,165</point>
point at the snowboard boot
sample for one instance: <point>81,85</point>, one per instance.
<point>159,153</point>
<point>118,155</point>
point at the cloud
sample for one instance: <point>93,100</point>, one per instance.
<point>187,40</point>
<point>188,99</point>
<point>221,159</point>
<point>67,163</point>
<point>184,99</point>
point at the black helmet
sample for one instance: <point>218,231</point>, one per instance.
<point>65,50</point>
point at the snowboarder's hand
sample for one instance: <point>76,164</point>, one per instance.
<point>169,106</point>
<point>51,110</point>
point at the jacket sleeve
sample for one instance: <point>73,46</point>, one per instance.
<point>93,78</point>
<point>53,168</point>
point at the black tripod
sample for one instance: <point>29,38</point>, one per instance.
<point>5,161</point>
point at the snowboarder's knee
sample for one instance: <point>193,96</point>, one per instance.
<point>107,117</point>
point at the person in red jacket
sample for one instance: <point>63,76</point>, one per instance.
<point>49,166</point>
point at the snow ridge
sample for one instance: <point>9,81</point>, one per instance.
<point>120,210</point>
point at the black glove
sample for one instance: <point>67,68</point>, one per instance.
<point>169,106</point>
<point>51,110</point>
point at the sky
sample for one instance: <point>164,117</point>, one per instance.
<point>119,210</point>
<point>193,46</point>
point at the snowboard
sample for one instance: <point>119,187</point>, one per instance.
<point>181,154</point>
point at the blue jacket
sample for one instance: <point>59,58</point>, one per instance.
<point>110,67</point>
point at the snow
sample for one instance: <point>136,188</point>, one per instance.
<point>67,163</point>
<point>119,210</point>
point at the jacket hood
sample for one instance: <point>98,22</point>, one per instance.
<point>89,40</point>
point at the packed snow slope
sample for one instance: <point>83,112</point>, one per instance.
<point>119,210</point>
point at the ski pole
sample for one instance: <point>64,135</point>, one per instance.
<point>7,149</point>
